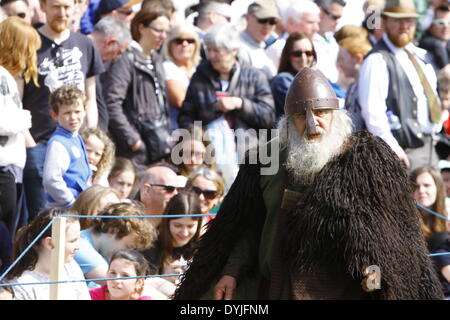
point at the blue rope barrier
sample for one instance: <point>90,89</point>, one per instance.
<point>438,254</point>
<point>89,280</point>
<point>172,216</point>
<point>432,212</point>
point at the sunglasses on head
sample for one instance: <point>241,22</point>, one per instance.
<point>271,21</point>
<point>441,22</point>
<point>208,194</point>
<point>299,53</point>
<point>168,189</point>
<point>329,14</point>
<point>182,40</point>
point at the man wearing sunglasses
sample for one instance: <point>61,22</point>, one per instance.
<point>324,42</point>
<point>159,184</point>
<point>18,8</point>
<point>261,17</point>
<point>436,39</point>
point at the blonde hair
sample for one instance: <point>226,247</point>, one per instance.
<point>107,159</point>
<point>175,32</point>
<point>356,45</point>
<point>350,31</point>
<point>19,43</point>
<point>88,203</point>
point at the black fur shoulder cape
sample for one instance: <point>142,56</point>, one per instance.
<point>360,212</point>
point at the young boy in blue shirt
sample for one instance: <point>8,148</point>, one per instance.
<point>66,167</point>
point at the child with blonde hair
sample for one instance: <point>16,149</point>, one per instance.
<point>100,152</point>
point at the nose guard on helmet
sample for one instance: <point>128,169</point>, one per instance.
<point>309,91</point>
<point>311,127</point>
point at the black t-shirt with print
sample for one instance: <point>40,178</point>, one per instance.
<point>70,62</point>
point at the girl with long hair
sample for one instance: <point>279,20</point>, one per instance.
<point>35,265</point>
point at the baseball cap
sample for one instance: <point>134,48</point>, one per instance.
<point>263,9</point>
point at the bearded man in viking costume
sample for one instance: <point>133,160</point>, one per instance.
<point>339,205</point>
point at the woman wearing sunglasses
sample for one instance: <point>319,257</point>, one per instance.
<point>298,53</point>
<point>181,54</point>
<point>209,187</point>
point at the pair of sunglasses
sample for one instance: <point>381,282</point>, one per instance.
<point>182,40</point>
<point>167,189</point>
<point>271,21</point>
<point>299,53</point>
<point>329,14</point>
<point>208,194</point>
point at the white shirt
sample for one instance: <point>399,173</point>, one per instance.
<point>69,291</point>
<point>327,50</point>
<point>14,122</point>
<point>373,90</point>
<point>174,72</point>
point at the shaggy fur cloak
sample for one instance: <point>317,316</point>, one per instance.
<point>360,212</point>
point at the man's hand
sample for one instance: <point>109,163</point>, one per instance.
<point>224,288</point>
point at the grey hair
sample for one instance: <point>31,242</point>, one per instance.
<point>112,27</point>
<point>224,36</point>
<point>297,8</point>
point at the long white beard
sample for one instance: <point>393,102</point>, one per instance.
<point>305,158</point>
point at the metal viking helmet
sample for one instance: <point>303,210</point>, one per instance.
<point>310,90</point>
